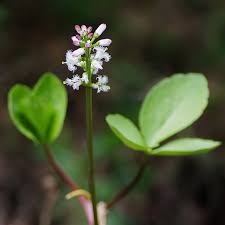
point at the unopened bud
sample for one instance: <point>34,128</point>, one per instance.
<point>100,29</point>
<point>78,52</point>
<point>105,42</point>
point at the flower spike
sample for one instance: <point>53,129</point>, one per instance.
<point>90,56</point>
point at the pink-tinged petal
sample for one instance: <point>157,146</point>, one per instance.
<point>77,28</point>
<point>89,29</point>
<point>100,29</point>
<point>87,45</point>
<point>105,42</point>
<point>83,28</point>
<point>75,41</point>
<point>78,37</point>
<point>90,35</point>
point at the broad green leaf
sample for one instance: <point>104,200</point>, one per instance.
<point>186,146</point>
<point>39,113</point>
<point>172,105</point>
<point>126,131</point>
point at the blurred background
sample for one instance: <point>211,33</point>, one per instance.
<point>152,39</point>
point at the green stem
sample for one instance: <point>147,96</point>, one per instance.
<point>89,124</point>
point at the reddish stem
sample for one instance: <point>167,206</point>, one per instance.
<point>127,189</point>
<point>85,203</point>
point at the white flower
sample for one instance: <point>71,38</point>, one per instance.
<point>102,79</point>
<point>101,84</point>
<point>101,53</point>
<point>68,82</point>
<point>76,81</point>
<point>104,42</point>
<point>78,52</point>
<point>96,64</point>
<point>98,57</point>
<point>71,61</point>
<point>100,30</point>
<point>84,78</point>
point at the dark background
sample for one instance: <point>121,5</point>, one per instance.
<point>152,39</point>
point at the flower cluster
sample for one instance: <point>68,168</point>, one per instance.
<point>90,57</point>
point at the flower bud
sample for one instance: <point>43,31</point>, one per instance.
<point>83,28</point>
<point>100,29</point>
<point>105,42</point>
<point>78,52</point>
<point>77,28</point>
<point>89,29</point>
<point>90,35</point>
<point>87,45</point>
<point>78,37</point>
<point>76,41</point>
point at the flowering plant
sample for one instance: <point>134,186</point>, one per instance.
<point>170,106</point>
<point>95,54</point>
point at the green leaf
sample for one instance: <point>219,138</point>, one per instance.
<point>126,131</point>
<point>172,105</point>
<point>39,113</point>
<point>186,146</point>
